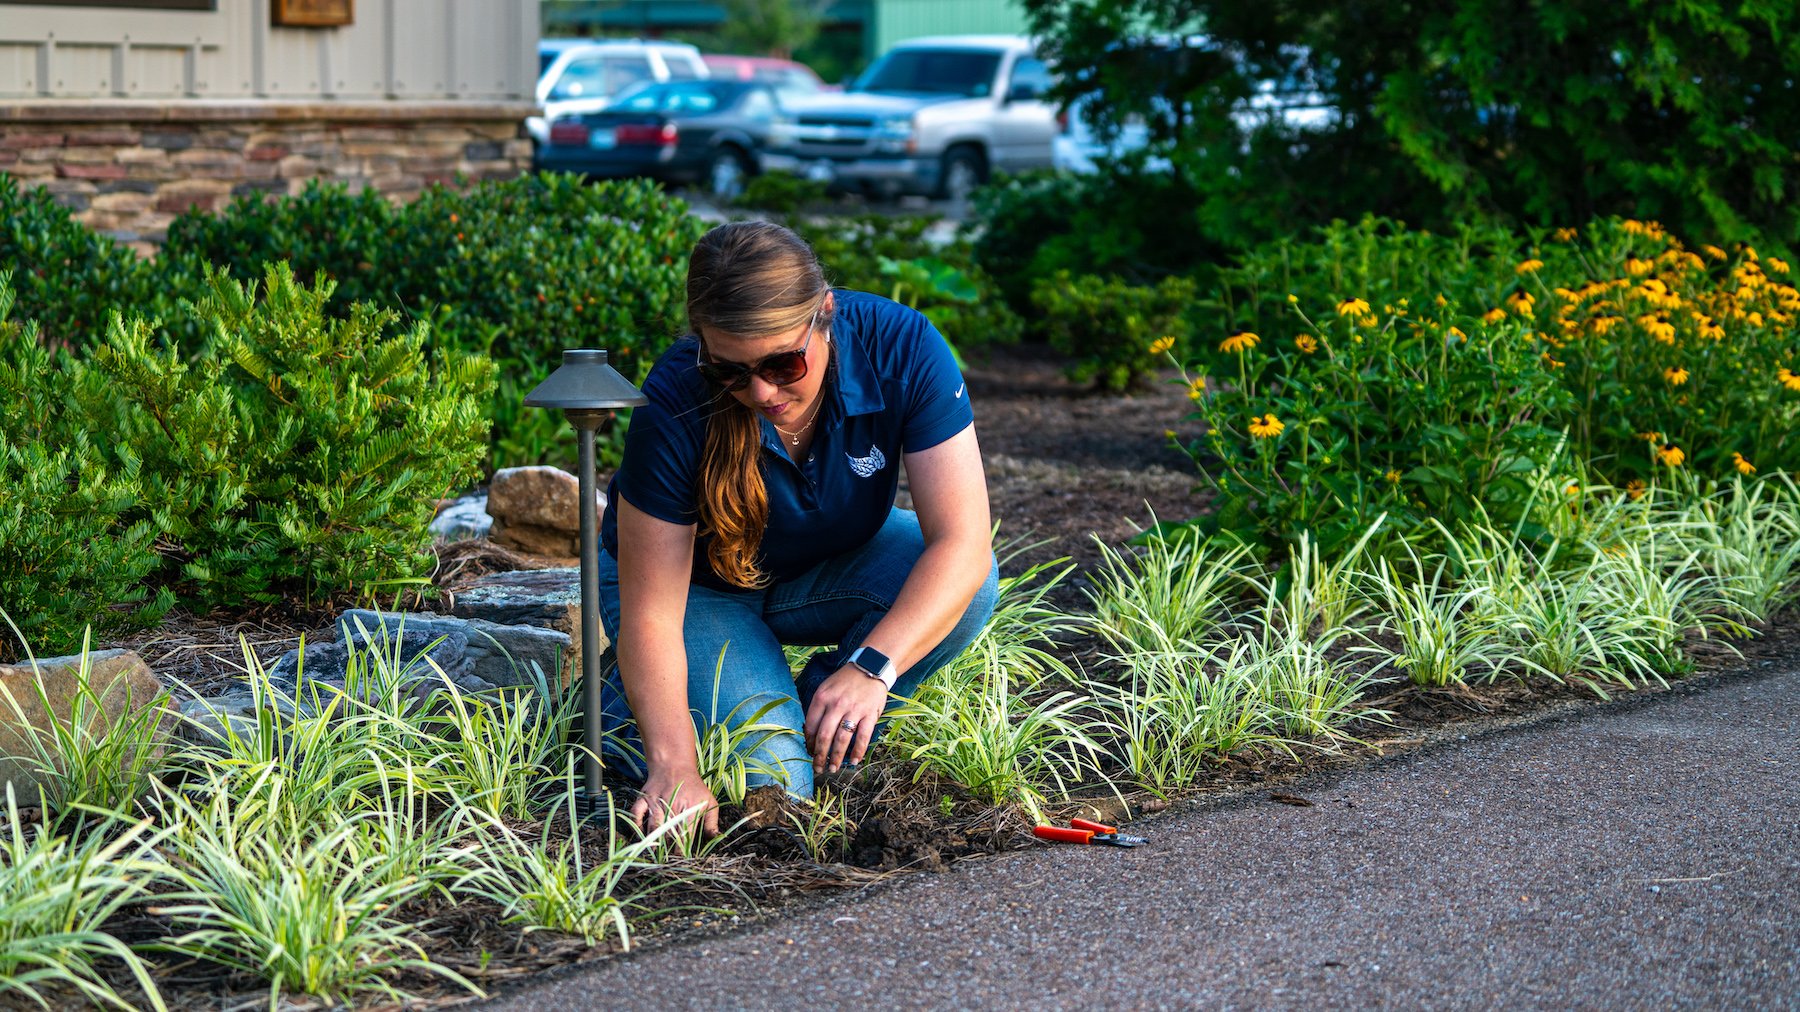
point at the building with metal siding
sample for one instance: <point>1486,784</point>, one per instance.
<point>881,23</point>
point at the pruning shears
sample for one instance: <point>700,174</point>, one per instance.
<point>1084,831</point>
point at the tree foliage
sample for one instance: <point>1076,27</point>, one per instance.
<point>1541,114</point>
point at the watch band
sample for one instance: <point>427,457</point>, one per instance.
<point>875,664</point>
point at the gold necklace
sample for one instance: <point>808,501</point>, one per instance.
<point>800,430</point>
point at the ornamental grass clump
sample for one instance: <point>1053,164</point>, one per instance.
<point>1176,713</point>
<point>554,884</point>
<point>1443,634</point>
<point>319,912</point>
<point>88,756</point>
<point>57,891</point>
<point>1748,534</point>
<point>1175,589</point>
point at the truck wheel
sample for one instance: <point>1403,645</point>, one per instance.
<point>964,169</point>
<point>727,174</point>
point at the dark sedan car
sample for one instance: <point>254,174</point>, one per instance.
<point>706,132</point>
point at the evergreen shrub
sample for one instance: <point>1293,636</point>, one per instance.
<point>66,276</point>
<point>519,270</point>
<point>68,556</point>
<point>297,453</point>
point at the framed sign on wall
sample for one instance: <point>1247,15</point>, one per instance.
<point>312,13</point>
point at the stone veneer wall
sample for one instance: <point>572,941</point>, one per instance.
<point>128,168</point>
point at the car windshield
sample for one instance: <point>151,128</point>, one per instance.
<point>688,96</point>
<point>965,72</point>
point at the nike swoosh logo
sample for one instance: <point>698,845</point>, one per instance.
<point>960,389</point>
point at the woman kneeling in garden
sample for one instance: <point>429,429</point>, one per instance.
<point>755,508</point>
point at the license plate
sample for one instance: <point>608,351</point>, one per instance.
<point>603,139</point>
<point>821,172</point>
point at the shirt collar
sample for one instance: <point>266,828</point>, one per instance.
<point>858,385</point>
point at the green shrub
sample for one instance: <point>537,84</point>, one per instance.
<point>891,256</point>
<point>1136,225</point>
<point>66,276</point>
<point>518,270</point>
<point>67,559</point>
<point>1112,330</point>
<point>297,453</point>
<point>1433,375</point>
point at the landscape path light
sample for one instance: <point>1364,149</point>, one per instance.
<point>588,391</point>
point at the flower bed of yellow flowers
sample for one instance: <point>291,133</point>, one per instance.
<point>1377,369</point>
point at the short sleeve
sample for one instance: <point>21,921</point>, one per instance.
<point>659,474</point>
<point>936,397</point>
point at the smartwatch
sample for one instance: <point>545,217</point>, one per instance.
<point>875,664</point>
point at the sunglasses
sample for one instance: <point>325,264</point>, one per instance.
<point>781,369</point>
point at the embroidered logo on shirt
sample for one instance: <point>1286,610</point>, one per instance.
<point>959,391</point>
<point>863,467</point>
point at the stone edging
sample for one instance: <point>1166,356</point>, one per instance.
<point>241,111</point>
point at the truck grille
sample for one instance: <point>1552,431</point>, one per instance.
<point>826,135</point>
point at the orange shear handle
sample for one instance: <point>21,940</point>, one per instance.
<point>1057,834</point>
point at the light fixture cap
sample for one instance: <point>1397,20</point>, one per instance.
<point>585,382</point>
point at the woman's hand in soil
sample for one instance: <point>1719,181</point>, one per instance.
<point>850,697</point>
<point>668,793</point>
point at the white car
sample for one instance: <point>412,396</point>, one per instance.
<point>585,78</point>
<point>932,116</point>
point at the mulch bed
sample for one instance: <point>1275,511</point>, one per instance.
<point>1064,466</point>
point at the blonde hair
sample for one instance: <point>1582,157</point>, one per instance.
<point>746,279</point>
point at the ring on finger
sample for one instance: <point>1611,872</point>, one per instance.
<point>848,725</point>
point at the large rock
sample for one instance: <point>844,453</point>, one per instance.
<point>474,654</point>
<point>537,510</point>
<point>536,497</point>
<point>119,680</point>
<point>550,598</point>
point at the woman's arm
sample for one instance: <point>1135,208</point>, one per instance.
<point>949,492</point>
<point>656,561</point>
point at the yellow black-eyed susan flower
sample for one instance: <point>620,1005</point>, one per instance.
<point>1353,307</point>
<point>1266,427</point>
<point>1777,265</point>
<point>1675,376</point>
<point>1306,343</point>
<point>1713,251</point>
<point>1494,315</point>
<point>1528,266</point>
<point>1162,344</point>
<point>1634,489</point>
<point>1743,466</point>
<point>1393,476</point>
<point>1671,455</point>
<point>1788,379</point>
<point>1241,340</point>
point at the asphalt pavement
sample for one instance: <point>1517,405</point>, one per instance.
<point>1644,854</point>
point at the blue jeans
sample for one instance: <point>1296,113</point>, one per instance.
<point>835,604</point>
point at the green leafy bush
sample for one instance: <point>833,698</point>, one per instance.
<point>1117,222</point>
<point>68,560</point>
<point>66,276</point>
<point>1436,375</point>
<point>298,453</point>
<point>518,270</point>
<point>891,256</point>
<point>1113,330</point>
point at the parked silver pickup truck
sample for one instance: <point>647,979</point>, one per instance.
<point>932,116</point>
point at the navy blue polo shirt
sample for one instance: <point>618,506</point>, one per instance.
<point>895,389</point>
